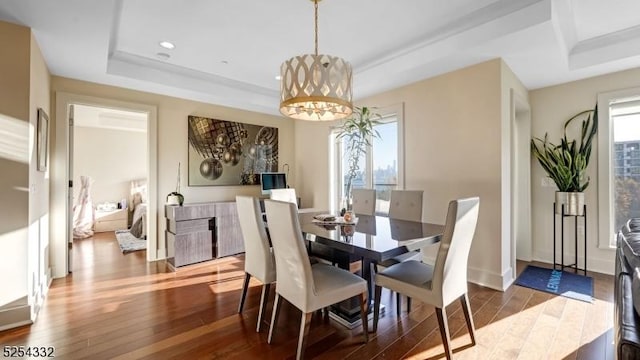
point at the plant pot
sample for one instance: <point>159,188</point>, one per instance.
<point>573,203</point>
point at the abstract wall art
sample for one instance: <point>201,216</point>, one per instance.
<point>230,153</point>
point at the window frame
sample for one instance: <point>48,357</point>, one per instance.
<point>336,159</point>
<point>606,164</point>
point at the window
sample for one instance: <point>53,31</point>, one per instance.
<point>618,162</point>
<point>381,168</point>
<point>385,163</point>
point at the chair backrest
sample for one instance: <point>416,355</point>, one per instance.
<point>364,201</point>
<point>258,260</point>
<point>450,270</point>
<point>406,205</point>
<point>288,195</point>
<point>293,269</point>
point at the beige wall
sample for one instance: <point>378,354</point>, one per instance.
<point>172,141</point>
<point>38,267</point>
<point>551,107</point>
<point>14,161</point>
<point>452,150</point>
<point>14,70</point>
<point>113,158</point>
<point>24,190</point>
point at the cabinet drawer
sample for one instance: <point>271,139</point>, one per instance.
<point>191,248</point>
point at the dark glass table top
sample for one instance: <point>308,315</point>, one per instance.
<point>377,238</point>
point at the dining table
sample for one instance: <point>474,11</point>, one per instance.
<point>370,239</point>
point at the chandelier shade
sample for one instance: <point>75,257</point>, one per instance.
<point>316,87</point>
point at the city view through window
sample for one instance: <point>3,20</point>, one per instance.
<point>626,160</point>
<point>383,157</point>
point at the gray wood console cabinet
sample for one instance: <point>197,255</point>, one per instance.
<point>202,231</point>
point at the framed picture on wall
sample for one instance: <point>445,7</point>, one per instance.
<point>230,153</point>
<point>42,139</point>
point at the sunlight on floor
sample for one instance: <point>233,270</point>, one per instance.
<point>556,328</point>
<point>112,306</point>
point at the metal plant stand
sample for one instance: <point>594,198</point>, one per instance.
<point>563,216</point>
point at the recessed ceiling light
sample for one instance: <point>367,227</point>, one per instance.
<point>167,45</point>
<point>278,77</point>
<point>163,56</point>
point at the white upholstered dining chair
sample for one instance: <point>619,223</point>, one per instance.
<point>363,201</point>
<point>404,205</point>
<point>444,282</point>
<point>288,195</point>
<point>259,261</point>
<point>307,287</point>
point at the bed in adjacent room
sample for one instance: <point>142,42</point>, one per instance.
<point>138,207</point>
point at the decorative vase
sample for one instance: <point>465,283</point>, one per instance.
<point>346,205</point>
<point>573,203</point>
<point>175,199</point>
<point>348,216</point>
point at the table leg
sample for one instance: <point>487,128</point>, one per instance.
<point>367,275</point>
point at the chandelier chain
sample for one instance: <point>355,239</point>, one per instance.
<point>315,6</point>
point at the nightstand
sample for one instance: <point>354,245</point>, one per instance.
<point>111,220</point>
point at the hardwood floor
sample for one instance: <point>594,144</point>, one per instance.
<point>119,306</point>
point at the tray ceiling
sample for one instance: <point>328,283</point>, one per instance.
<point>228,52</point>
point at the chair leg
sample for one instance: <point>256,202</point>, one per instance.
<point>325,313</point>
<point>363,316</point>
<point>376,307</point>
<point>408,304</point>
<point>398,304</point>
<point>274,316</point>
<point>304,331</point>
<point>243,296</point>
<point>444,331</point>
<point>468,316</point>
<point>263,304</point>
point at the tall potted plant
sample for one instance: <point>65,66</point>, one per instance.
<point>357,132</point>
<point>567,162</point>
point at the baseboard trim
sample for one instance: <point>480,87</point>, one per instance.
<point>15,314</point>
<point>162,254</point>
<point>488,278</point>
<point>596,265</point>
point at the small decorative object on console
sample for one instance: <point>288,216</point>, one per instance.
<point>175,198</point>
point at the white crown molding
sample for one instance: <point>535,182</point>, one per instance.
<point>466,24</point>
<point>606,48</point>
<point>224,91</point>
<point>500,19</point>
<point>564,25</point>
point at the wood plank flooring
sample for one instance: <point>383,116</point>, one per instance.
<point>117,306</point>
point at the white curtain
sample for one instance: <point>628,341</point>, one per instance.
<point>83,211</point>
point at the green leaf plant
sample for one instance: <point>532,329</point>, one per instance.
<point>357,131</point>
<point>567,162</point>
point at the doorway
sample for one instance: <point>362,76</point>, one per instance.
<point>108,155</point>
<point>61,229</point>
<point>521,243</point>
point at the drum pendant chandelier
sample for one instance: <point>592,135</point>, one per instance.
<point>316,87</point>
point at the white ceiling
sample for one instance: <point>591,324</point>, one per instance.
<point>228,52</point>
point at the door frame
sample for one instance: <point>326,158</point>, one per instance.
<point>520,206</point>
<point>60,231</point>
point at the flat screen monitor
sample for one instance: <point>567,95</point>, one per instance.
<point>272,180</point>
